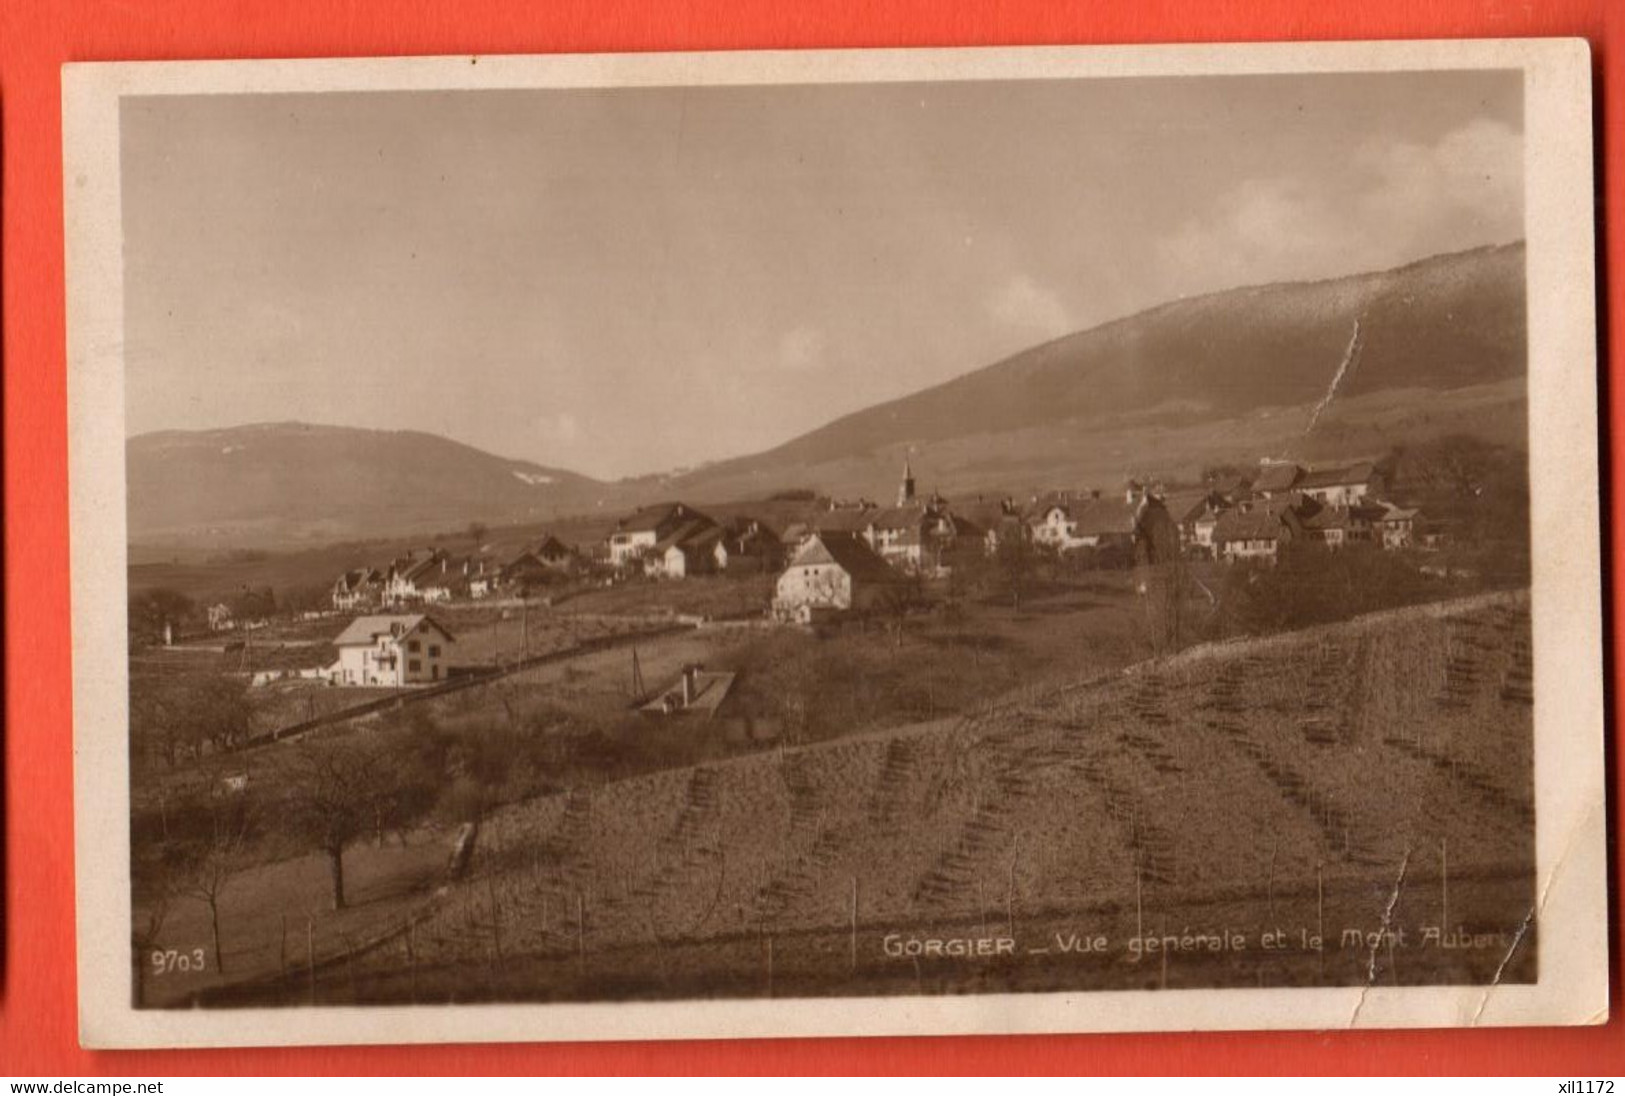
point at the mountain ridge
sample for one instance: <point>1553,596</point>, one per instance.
<point>1441,348</point>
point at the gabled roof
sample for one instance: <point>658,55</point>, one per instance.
<point>651,519</point>
<point>547,545</point>
<point>1398,513</point>
<point>1328,518</point>
<point>982,513</point>
<point>1342,475</point>
<point>1101,517</point>
<point>455,574</point>
<point>410,570</point>
<point>1187,505</point>
<point>848,552</point>
<point>1043,504</point>
<point>843,521</point>
<point>1258,521</point>
<point>692,538</point>
<point>364,631</point>
<point>689,535</point>
<point>900,517</point>
<point>1277,476</point>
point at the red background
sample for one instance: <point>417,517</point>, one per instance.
<point>38,1027</point>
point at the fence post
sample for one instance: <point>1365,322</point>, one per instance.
<point>310,955</point>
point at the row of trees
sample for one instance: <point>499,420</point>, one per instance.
<point>325,795</point>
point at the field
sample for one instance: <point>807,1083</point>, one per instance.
<point>1342,805</point>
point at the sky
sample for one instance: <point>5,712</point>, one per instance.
<point>629,281</point>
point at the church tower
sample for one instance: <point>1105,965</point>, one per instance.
<point>905,491</point>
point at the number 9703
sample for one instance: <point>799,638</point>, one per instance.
<point>171,960</point>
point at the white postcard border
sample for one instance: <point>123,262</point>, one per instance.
<point>1567,588</point>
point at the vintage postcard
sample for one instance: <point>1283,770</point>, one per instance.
<point>939,541</point>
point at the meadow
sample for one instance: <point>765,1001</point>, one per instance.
<point>1360,778</point>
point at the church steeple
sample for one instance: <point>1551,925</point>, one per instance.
<point>905,491</point>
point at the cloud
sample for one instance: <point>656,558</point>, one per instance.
<point>1383,204</point>
<point>1022,303</point>
<point>801,349</point>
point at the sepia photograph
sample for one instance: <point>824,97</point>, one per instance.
<point>791,544</point>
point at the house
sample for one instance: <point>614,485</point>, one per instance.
<point>542,562</point>
<point>1196,514</point>
<point>391,650</point>
<point>402,575</point>
<point>1256,530</point>
<point>688,550</point>
<point>1396,526</point>
<point>639,533</point>
<point>1276,478</point>
<point>454,579</point>
<point>832,573</point>
<point>995,521</point>
<point>1066,523</point>
<point>220,619</point>
<point>1341,485</point>
<point>914,537</point>
<point>1052,520</point>
<point>1333,526</point>
<point>748,547</point>
<point>358,589</point>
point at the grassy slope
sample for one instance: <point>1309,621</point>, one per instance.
<point>1194,787</point>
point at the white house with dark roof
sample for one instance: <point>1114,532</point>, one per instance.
<point>637,534</point>
<point>832,573</point>
<point>1256,530</point>
<point>392,650</point>
<point>1343,484</point>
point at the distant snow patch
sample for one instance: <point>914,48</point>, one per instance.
<point>535,479</point>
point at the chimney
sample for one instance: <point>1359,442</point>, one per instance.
<point>688,685</point>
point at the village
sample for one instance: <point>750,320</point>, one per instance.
<point>848,558</point>
<point>450,692</point>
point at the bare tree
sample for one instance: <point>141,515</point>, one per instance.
<point>333,799</point>
<point>214,852</point>
<point>342,789</point>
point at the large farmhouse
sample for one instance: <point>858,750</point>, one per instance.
<point>833,572</point>
<point>1332,485</point>
<point>409,649</point>
<point>637,535</point>
<point>1256,530</point>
